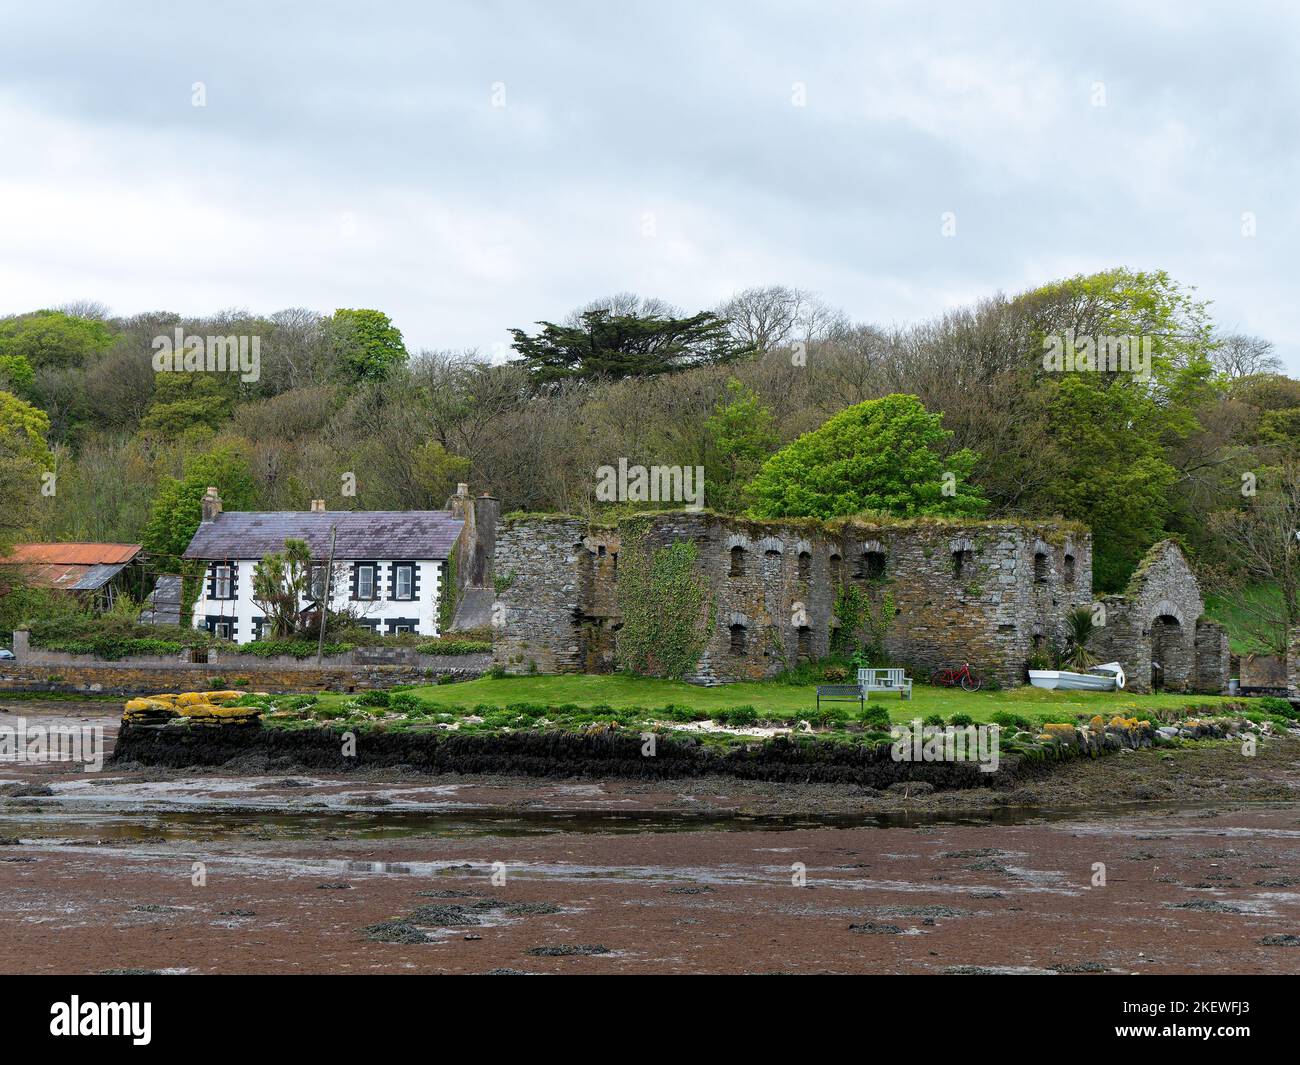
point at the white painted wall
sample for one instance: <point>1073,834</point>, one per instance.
<point>242,608</point>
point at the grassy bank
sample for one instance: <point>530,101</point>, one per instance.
<point>783,700</point>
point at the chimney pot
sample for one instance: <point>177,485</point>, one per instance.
<point>210,506</point>
<point>318,506</point>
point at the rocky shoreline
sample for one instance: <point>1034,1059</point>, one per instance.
<point>619,754</point>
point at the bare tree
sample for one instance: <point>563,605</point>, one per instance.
<point>774,316</point>
<point>1262,541</point>
<point>86,309</point>
<point>624,303</point>
<point>1238,355</point>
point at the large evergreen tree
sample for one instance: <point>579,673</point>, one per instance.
<point>605,344</point>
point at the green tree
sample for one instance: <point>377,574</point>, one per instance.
<point>881,456</point>
<point>281,581</point>
<point>52,338</point>
<point>16,373</point>
<point>24,458</point>
<point>184,401</point>
<point>435,470</point>
<point>1111,433</point>
<point>609,345</point>
<point>177,506</point>
<point>741,434</point>
<point>370,346</point>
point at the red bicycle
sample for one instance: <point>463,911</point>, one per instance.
<point>950,678</point>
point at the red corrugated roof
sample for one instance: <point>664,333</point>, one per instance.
<point>71,554</point>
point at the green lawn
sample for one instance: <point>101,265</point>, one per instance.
<point>620,691</point>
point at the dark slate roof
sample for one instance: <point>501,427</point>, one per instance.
<point>163,606</point>
<point>363,534</point>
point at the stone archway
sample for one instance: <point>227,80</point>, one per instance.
<point>1172,653</point>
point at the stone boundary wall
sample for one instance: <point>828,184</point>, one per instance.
<point>27,655</point>
<point>79,676</point>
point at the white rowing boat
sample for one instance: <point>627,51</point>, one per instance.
<point>1104,678</point>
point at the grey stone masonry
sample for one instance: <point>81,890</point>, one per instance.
<point>945,592</point>
<point>983,592</point>
<point>1157,631</point>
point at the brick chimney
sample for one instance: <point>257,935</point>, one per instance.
<point>211,504</point>
<point>318,506</point>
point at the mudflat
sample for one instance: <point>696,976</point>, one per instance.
<point>1163,861</point>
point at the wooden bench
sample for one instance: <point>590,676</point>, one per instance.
<point>885,680</point>
<point>841,693</point>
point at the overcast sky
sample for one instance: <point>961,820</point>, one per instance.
<point>471,167</point>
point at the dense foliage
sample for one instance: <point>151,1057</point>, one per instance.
<point>883,456</point>
<point>766,393</point>
<point>666,607</point>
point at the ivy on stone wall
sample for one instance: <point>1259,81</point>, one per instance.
<point>666,606</point>
<point>449,593</point>
<point>863,625</point>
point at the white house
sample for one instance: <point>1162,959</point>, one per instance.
<point>388,565</point>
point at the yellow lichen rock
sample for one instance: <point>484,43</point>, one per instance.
<point>206,708</point>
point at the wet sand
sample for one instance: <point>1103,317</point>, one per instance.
<point>1201,855</point>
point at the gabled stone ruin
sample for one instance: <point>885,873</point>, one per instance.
<point>1157,629</point>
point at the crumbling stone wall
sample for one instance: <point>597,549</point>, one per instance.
<point>953,592</point>
<point>983,592</point>
<point>1157,631</point>
<point>539,593</point>
<point>1213,657</point>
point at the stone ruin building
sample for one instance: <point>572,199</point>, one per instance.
<point>984,592</point>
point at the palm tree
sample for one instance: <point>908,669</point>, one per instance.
<point>1081,629</point>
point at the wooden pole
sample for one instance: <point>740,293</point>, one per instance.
<point>324,606</point>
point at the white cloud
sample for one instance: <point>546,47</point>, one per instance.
<point>347,163</point>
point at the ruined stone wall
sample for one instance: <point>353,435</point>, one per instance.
<point>1263,671</point>
<point>1158,621</point>
<point>1213,657</point>
<point>542,577</point>
<point>983,592</point>
<point>1293,664</point>
<point>950,592</point>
